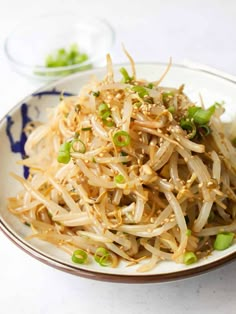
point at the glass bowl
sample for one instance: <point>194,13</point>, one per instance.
<point>28,46</point>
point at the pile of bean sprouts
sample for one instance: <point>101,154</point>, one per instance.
<point>113,169</point>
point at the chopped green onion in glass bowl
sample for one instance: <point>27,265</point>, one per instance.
<point>48,47</point>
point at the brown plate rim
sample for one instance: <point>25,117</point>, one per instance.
<point>116,278</point>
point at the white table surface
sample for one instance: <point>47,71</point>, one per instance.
<point>201,31</point>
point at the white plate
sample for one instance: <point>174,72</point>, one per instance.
<point>211,87</point>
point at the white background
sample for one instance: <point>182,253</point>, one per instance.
<point>200,31</point>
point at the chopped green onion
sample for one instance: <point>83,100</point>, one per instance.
<point>80,58</point>
<point>49,61</point>
<point>204,130</point>
<point>188,232</point>
<point>78,146</point>
<point>150,86</point>
<point>171,109</point>
<point>187,125</point>
<point>149,100</point>
<point>86,129</point>
<point>79,256</point>
<point>63,157</point>
<point>223,240</point>
<point>119,179</point>
<point>62,51</point>
<point>192,110</point>
<point>193,133</point>
<point>202,116</point>
<point>189,258</point>
<point>65,147</point>
<point>103,107</point>
<point>196,121</point>
<point>103,257</point>
<point>96,94</point>
<point>121,138</point>
<point>64,153</point>
<point>73,48</point>
<point>166,96</point>
<point>104,111</point>
<point>140,90</point>
<point>63,57</point>
<point>137,104</point>
<point>27,224</point>
<point>126,77</point>
<point>108,123</point>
